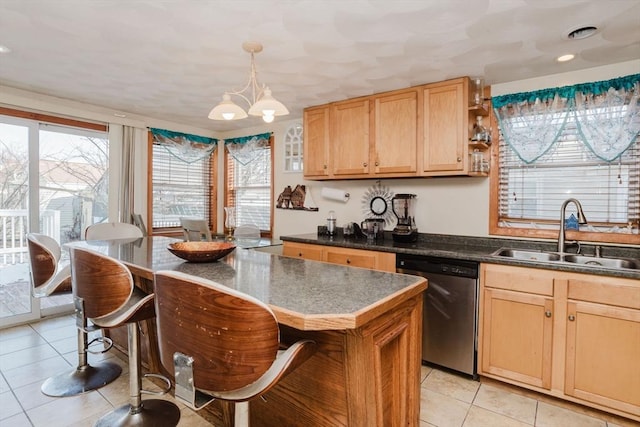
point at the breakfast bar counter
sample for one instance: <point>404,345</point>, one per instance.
<point>366,324</point>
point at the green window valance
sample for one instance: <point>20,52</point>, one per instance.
<point>245,149</point>
<point>186,147</point>
<point>606,114</point>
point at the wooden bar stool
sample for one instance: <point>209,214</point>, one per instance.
<point>232,354</point>
<point>51,277</point>
<point>105,290</point>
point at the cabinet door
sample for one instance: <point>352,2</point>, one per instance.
<point>603,355</point>
<point>517,336</point>
<point>445,128</point>
<point>395,139</point>
<point>302,250</point>
<point>316,142</point>
<point>349,147</point>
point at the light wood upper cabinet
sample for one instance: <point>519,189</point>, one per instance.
<point>349,146</point>
<point>419,131</point>
<point>316,142</point>
<point>395,133</point>
<point>445,146</point>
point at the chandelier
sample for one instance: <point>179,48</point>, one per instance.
<point>261,103</point>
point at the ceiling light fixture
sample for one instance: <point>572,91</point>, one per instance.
<point>261,103</point>
<point>565,58</point>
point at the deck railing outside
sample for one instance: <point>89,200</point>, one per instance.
<point>13,232</point>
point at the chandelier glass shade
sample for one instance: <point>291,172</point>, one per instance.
<point>257,96</point>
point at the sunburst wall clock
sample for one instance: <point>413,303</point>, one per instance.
<point>376,203</point>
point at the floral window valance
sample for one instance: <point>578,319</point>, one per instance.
<point>246,149</point>
<point>186,147</point>
<point>606,114</point>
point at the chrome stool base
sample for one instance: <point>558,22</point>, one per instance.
<point>81,380</point>
<point>152,413</point>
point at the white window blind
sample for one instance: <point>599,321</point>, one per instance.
<point>249,190</point>
<point>530,195</point>
<point>180,189</point>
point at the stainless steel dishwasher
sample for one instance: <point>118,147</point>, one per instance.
<point>450,322</point>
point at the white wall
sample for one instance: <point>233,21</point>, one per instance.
<point>457,205</point>
<point>444,205</point>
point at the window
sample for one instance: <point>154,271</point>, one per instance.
<point>529,195</point>
<point>293,149</point>
<point>248,187</point>
<point>182,186</point>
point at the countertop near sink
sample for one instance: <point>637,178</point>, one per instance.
<point>478,249</point>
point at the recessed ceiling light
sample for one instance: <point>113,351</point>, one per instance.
<point>582,32</point>
<point>119,115</point>
<point>565,58</point>
<point>4,49</point>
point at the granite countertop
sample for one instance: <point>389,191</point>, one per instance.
<point>306,295</point>
<point>479,249</point>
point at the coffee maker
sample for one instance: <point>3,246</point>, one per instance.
<point>403,206</point>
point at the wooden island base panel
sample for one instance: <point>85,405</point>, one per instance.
<point>367,326</point>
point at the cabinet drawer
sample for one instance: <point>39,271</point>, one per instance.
<point>302,250</point>
<point>352,258</point>
<point>521,279</point>
<point>618,292</point>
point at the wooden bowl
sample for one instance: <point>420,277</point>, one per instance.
<point>201,251</point>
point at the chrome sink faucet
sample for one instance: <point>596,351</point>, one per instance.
<point>581,220</point>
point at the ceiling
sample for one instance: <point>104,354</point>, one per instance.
<point>173,59</point>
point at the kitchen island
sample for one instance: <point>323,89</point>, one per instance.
<point>367,324</point>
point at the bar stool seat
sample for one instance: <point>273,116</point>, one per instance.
<point>50,276</point>
<point>233,353</point>
<point>105,290</point>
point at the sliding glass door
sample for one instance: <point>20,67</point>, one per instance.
<point>54,181</point>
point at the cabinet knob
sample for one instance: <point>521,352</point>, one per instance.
<point>459,159</point>
<point>299,253</point>
<point>572,317</point>
<point>364,164</point>
<point>377,163</point>
<point>324,166</point>
<point>348,261</point>
<point>547,313</point>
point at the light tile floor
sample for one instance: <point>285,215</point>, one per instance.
<point>31,353</point>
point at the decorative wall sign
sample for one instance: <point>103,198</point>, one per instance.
<point>298,199</point>
<point>376,203</point>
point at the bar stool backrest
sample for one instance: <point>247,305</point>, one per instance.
<point>111,231</point>
<point>104,283</point>
<point>232,337</point>
<point>44,257</point>
<point>44,254</point>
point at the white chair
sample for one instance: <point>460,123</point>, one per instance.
<point>195,230</point>
<point>139,222</point>
<point>111,231</point>
<point>247,235</point>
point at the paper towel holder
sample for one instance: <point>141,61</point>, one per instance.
<point>335,194</point>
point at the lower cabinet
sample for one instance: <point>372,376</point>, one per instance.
<point>374,260</point>
<point>573,336</point>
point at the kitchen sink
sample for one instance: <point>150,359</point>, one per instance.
<point>541,256</point>
<point>527,255</point>
<point>603,262</point>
